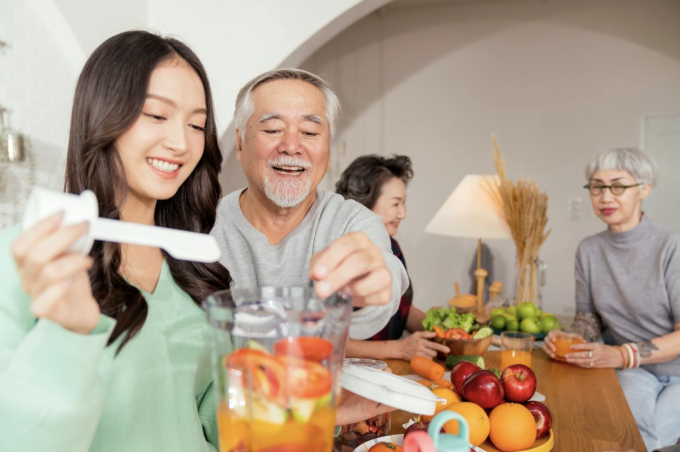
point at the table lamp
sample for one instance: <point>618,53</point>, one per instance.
<point>473,210</point>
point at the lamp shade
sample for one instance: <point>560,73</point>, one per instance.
<point>472,211</point>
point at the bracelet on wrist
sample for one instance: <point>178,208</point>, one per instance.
<point>633,352</point>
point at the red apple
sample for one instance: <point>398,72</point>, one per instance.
<point>484,389</point>
<point>418,426</point>
<point>542,416</point>
<point>519,383</point>
<point>462,372</point>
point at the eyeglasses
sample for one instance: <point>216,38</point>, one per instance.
<point>617,189</point>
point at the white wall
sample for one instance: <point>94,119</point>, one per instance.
<point>557,81</point>
<point>36,84</point>
<point>236,40</point>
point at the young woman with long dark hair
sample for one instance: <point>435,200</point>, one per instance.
<point>108,352</point>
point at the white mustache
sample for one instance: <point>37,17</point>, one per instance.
<point>286,160</point>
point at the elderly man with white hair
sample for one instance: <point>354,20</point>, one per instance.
<point>282,231</point>
<point>628,277</point>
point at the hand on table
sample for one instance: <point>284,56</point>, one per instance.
<point>354,264</point>
<point>594,355</point>
<point>418,344</point>
<point>56,280</point>
<point>588,355</point>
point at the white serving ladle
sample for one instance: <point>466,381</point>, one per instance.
<point>183,245</point>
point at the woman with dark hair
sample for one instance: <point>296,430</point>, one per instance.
<point>379,183</point>
<point>108,352</point>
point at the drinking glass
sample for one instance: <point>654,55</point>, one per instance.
<point>516,348</point>
<point>277,358</point>
<point>563,340</point>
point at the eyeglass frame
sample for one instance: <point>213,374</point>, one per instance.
<point>617,184</point>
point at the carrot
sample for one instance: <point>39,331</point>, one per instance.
<point>444,384</point>
<point>427,383</point>
<point>440,332</point>
<point>427,368</point>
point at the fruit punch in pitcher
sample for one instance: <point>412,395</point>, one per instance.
<point>277,356</point>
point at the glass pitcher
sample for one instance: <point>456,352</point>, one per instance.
<point>277,360</point>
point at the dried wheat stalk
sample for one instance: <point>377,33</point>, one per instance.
<point>525,208</point>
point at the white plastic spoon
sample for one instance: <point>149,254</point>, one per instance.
<point>184,245</point>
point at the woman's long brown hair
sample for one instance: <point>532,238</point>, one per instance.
<point>109,97</point>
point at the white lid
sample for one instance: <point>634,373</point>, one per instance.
<point>388,389</point>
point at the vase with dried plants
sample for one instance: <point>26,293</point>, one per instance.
<point>525,208</point>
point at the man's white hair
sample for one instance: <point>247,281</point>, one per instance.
<point>244,101</point>
<point>638,163</point>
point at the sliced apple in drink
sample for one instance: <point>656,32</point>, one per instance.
<point>266,411</point>
<point>323,401</point>
<point>302,409</point>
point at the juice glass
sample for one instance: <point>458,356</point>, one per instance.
<point>516,348</point>
<point>277,359</point>
<point>563,340</point>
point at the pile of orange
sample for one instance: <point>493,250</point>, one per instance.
<point>510,426</point>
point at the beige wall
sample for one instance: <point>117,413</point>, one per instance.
<point>557,81</point>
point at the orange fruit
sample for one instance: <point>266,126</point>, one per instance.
<point>513,427</point>
<point>386,447</point>
<point>451,398</point>
<point>476,418</point>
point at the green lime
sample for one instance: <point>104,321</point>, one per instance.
<point>512,325</point>
<point>512,310</point>
<point>498,322</point>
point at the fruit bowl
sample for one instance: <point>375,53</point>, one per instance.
<point>465,346</point>
<point>538,336</point>
<point>540,445</point>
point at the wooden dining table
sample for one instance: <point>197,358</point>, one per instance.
<point>589,410</point>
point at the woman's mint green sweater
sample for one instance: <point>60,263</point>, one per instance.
<point>65,392</point>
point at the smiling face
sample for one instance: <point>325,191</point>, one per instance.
<point>391,204</point>
<point>285,149</point>
<point>164,145</point>
<point>622,212</point>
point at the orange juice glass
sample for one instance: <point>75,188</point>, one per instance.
<point>516,348</point>
<point>277,358</point>
<point>563,340</point>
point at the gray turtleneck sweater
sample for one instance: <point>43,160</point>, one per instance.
<point>632,280</point>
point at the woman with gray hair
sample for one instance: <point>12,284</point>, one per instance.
<point>628,277</point>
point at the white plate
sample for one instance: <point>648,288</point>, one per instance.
<point>538,397</point>
<point>396,439</point>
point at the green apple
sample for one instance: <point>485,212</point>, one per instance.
<point>539,313</point>
<point>498,322</point>
<point>530,325</point>
<point>547,314</point>
<point>526,310</point>
<point>548,323</point>
<point>512,325</point>
<point>509,317</point>
<point>512,310</point>
<point>497,311</point>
